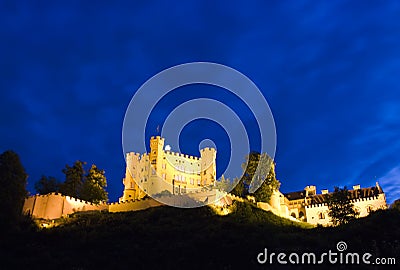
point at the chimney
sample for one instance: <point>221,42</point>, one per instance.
<point>324,191</point>
<point>356,187</point>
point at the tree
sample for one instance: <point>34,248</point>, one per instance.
<point>249,167</point>
<point>395,205</point>
<point>93,186</point>
<point>264,192</point>
<point>341,210</point>
<point>47,185</point>
<point>223,184</point>
<point>239,187</point>
<point>12,188</point>
<point>74,179</point>
<point>260,176</point>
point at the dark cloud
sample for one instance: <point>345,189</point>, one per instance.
<point>329,71</point>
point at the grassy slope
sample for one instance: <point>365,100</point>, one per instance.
<point>179,238</point>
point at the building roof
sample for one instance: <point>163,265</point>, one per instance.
<point>353,194</point>
<point>321,198</point>
<point>296,195</point>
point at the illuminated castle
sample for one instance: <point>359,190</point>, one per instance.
<point>162,171</point>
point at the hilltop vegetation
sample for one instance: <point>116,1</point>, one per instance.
<point>182,238</point>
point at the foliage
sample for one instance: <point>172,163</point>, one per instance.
<point>239,187</point>
<point>259,175</point>
<point>47,185</point>
<point>341,210</point>
<point>264,192</point>
<point>396,205</point>
<point>201,238</point>
<point>162,193</point>
<point>12,188</point>
<point>93,186</point>
<point>223,184</point>
<point>88,186</point>
<point>74,178</point>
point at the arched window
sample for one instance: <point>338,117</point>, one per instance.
<point>301,215</point>
<point>370,208</point>
<point>293,215</point>
<point>321,215</point>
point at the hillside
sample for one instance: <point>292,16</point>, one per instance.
<point>166,237</point>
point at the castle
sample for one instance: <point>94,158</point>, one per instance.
<point>306,205</point>
<point>165,173</point>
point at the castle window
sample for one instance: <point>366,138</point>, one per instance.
<point>204,172</point>
<point>321,215</point>
<point>293,215</point>
<point>163,176</point>
<point>369,209</point>
<point>153,161</point>
<point>191,181</point>
<point>164,166</point>
<point>198,182</point>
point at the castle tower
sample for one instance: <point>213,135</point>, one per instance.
<point>156,151</point>
<point>155,173</point>
<point>208,171</point>
<point>131,189</point>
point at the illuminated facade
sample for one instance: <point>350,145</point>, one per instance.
<point>162,171</point>
<point>306,205</point>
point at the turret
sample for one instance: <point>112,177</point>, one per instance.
<point>156,150</point>
<point>208,166</point>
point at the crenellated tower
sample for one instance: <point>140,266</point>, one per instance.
<point>208,166</point>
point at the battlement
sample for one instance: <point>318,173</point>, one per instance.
<point>211,149</point>
<point>185,156</point>
<point>63,196</point>
<point>133,205</point>
<point>55,205</point>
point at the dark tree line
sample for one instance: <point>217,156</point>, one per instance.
<point>79,183</point>
<point>12,189</point>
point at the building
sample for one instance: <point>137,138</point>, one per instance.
<point>164,172</point>
<point>306,205</point>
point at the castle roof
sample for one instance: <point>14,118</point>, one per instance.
<point>353,194</point>
<point>322,198</point>
<point>295,195</point>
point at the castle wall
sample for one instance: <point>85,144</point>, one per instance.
<point>318,213</point>
<point>53,206</point>
<point>133,205</point>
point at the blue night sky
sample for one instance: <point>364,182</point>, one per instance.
<point>329,70</point>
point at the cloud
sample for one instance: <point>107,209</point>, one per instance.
<point>391,184</point>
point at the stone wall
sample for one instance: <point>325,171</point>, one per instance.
<point>54,205</point>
